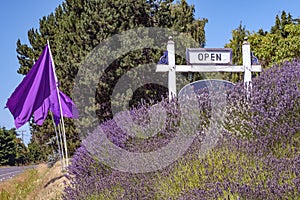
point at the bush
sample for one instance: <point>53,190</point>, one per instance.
<point>257,156</point>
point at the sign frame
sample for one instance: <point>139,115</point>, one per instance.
<point>225,83</point>
<point>209,51</point>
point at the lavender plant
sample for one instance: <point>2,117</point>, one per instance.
<point>271,117</point>
<point>257,156</point>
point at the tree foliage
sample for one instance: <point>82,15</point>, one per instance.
<point>78,26</point>
<point>236,44</point>
<point>281,43</point>
<point>12,149</point>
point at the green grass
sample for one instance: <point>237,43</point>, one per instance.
<point>21,189</point>
<point>220,165</point>
<point>217,166</point>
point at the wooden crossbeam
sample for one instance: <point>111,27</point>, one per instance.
<point>247,68</point>
<point>208,68</point>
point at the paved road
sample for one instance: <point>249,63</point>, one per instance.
<point>9,172</point>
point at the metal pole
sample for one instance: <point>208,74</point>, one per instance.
<point>22,135</point>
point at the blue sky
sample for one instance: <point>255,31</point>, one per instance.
<point>17,17</point>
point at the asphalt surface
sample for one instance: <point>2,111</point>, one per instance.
<point>9,172</point>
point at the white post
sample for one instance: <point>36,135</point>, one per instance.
<point>60,150</point>
<point>172,69</point>
<point>60,109</point>
<point>247,66</point>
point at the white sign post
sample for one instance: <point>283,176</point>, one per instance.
<point>247,67</point>
<point>207,60</point>
<point>171,69</point>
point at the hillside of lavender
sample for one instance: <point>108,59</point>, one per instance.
<point>257,155</point>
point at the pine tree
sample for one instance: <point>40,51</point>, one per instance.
<point>280,24</point>
<point>281,43</point>
<point>278,45</point>
<point>78,26</point>
<point>12,149</point>
<point>236,43</point>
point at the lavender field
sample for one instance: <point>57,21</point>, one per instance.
<point>256,157</point>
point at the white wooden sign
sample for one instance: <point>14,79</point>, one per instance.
<point>208,60</point>
<point>208,56</point>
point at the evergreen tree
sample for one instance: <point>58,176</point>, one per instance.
<point>279,44</point>
<point>280,24</point>
<point>78,26</point>
<point>12,149</point>
<point>236,43</point>
<point>35,154</point>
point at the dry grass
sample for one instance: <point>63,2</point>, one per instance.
<point>38,184</point>
<point>19,186</point>
<point>51,184</point>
